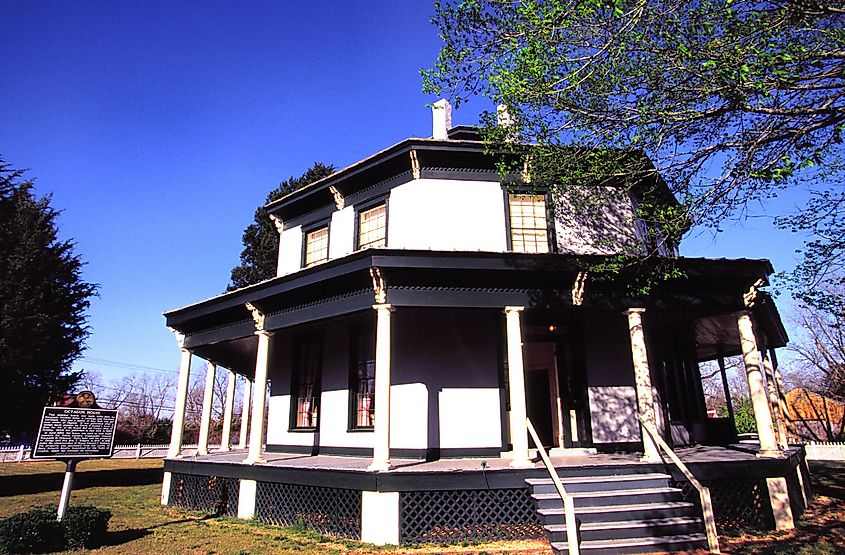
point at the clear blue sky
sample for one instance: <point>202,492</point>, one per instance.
<point>160,126</point>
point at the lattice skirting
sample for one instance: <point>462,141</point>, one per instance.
<point>205,493</point>
<point>736,503</point>
<point>330,511</point>
<point>466,515</point>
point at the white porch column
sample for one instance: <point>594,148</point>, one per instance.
<point>516,387</point>
<point>380,517</point>
<point>781,506</point>
<point>784,410</point>
<point>759,401</point>
<point>642,381</point>
<point>246,408</point>
<point>256,436</point>
<point>226,437</point>
<point>165,488</point>
<point>774,401</point>
<point>181,401</point>
<point>207,400</point>
<point>247,490</point>
<point>381,426</point>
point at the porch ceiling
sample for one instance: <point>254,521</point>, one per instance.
<point>718,335</point>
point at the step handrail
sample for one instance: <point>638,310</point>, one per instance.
<point>568,502</point>
<point>703,491</point>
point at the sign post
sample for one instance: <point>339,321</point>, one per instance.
<point>73,433</point>
<point>67,486</point>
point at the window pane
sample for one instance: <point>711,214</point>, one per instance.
<point>372,227</point>
<point>529,229</point>
<point>363,380</point>
<point>306,389</point>
<point>316,246</point>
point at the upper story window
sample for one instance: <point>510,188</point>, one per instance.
<point>651,237</point>
<point>316,246</point>
<point>529,225</point>
<point>372,227</point>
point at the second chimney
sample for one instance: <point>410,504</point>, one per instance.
<point>441,115</point>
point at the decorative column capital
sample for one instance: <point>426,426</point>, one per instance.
<point>264,333</point>
<point>379,286</point>
<point>180,337</point>
<point>750,297</point>
<point>384,306</point>
<point>257,316</point>
<point>634,310</point>
<point>513,309</point>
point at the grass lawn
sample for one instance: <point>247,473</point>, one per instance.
<point>130,489</point>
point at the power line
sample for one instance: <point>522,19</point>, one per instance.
<point>126,365</point>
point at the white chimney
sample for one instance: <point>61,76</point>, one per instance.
<point>441,116</point>
<point>503,116</point>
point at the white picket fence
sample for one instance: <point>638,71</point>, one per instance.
<point>138,451</point>
<point>825,451</point>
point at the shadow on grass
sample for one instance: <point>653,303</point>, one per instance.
<point>828,478</point>
<point>38,483</point>
<point>120,537</point>
<point>821,529</point>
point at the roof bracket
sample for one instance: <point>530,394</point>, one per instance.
<point>415,164</point>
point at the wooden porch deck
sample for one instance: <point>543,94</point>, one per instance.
<point>739,453</point>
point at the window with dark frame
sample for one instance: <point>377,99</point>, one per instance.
<point>529,224</point>
<point>316,246</point>
<point>306,384</point>
<point>363,380</point>
<point>372,227</point>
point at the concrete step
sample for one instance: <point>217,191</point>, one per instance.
<point>635,528</point>
<point>613,497</point>
<point>601,483</point>
<point>636,545</point>
<point>633,511</point>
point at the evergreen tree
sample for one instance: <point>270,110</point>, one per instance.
<point>261,240</point>
<point>43,303</point>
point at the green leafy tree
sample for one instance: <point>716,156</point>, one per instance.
<point>733,101</point>
<point>744,416</point>
<point>43,304</point>
<point>261,240</point>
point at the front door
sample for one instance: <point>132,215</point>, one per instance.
<point>541,391</point>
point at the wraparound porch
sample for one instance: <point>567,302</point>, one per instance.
<point>459,499</point>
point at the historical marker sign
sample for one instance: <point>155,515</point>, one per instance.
<point>78,433</point>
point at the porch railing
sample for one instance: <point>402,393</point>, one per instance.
<point>568,502</point>
<point>703,491</point>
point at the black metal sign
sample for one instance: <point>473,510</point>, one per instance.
<point>67,432</point>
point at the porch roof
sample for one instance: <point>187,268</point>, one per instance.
<point>516,268</point>
<point>709,288</point>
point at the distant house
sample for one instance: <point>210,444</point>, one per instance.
<point>422,310</point>
<point>813,417</point>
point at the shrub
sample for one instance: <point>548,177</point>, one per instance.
<point>85,526</point>
<point>36,531</point>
